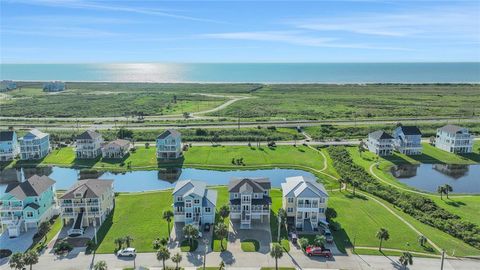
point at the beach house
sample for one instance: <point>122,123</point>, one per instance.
<point>380,143</point>
<point>87,203</point>
<point>9,148</point>
<point>305,201</point>
<point>116,149</point>
<point>88,145</point>
<point>34,145</point>
<point>169,145</point>
<point>7,85</point>
<point>25,205</point>
<point>54,86</point>
<point>249,200</point>
<point>454,139</point>
<point>407,140</point>
<point>194,203</point>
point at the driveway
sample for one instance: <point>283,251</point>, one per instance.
<point>259,231</point>
<point>177,237</point>
<point>18,244</point>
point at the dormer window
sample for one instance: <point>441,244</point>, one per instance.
<point>179,199</point>
<point>78,195</point>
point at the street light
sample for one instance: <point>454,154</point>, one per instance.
<point>205,241</point>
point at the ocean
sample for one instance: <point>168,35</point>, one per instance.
<point>248,72</point>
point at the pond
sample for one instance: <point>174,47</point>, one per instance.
<point>427,177</point>
<point>135,181</point>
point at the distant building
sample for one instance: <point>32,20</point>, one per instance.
<point>169,145</point>
<point>454,139</point>
<point>55,86</point>
<point>27,204</point>
<point>88,145</point>
<point>408,140</point>
<point>380,143</point>
<point>193,203</point>
<point>116,149</point>
<point>34,145</point>
<point>86,203</point>
<point>9,148</point>
<point>7,85</point>
<point>305,201</point>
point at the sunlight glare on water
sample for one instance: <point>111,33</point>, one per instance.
<point>144,72</point>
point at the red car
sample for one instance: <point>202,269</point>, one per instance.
<point>318,251</point>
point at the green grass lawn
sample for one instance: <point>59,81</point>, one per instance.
<point>133,216</point>
<point>54,229</point>
<point>250,245</point>
<point>276,195</point>
<point>222,199</point>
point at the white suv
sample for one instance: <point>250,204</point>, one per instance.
<point>127,252</point>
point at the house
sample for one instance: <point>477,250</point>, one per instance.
<point>249,200</point>
<point>454,139</point>
<point>305,201</point>
<point>54,86</point>
<point>407,140</point>
<point>7,85</point>
<point>34,145</point>
<point>88,145</point>
<point>116,149</point>
<point>193,203</point>
<point>380,143</point>
<point>9,148</point>
<point>87,202</point>
<point>169,145</point>
<point>27,204</point>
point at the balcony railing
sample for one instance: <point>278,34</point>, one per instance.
<point>11,208</point>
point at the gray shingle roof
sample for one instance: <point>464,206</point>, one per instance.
<point>451,128</point>
<point>89,188</point>
<point>118,142</point>
<point>6,136</point>
<point>32,205</point>
<point>35,133</point>
<point>33,186</point>
<point>88,135</point>
<point>167,133</point>
<point>257,185</point>
<point>410,130</point>
<point>211,195</point>
<point>298,184</point>
<point>380,135</point>
<point>198,188</point>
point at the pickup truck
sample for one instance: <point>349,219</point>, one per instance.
<point>318,251</point>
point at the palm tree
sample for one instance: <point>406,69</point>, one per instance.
<point>276,253</point>
<point>128,240</point>
<point>382,234</point>
<point>190,232</point>
<point>30,258</point>
<point>448,189</point>
<point>303,242</point>
<point>361,147</point>
<point>283,215</point>
<point>406,259</point>
<point>221,266</point>
<point>320,241</point>
<point>441,190</point>
<point>119,242</point>
<point>168,215</point>
<point>422,240</point>
<point>163,254</point>
<point>355,184</point>
<point>224,211</point>
<point>16,261</point>
<point>177,258</point>
<point>221,231</point>
<point>100,265</point>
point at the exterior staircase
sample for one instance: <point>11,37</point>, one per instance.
<point>77,226</point>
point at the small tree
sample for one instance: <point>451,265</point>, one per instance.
<point>190,232</point>
<point>422,240</point>
<point>168,215</point>
<point>441,190</point>
<point>276,253</point>
<point>119,242</point>
<point>303,242</point>
<point>163,254</point>
<point>100,265</point>
<point>355,184</point>
<point>177,258</point>
<point>128,240</point>
<point>448,189</point>
<point>16,261</point>
<point>221,231</point>
<point>30,258</point>
<point>147,145</point>
<point>382,234</point>
<point>283,216</point>
<point>406,259</point>
<point>224,211</point>
<point>320,241</point>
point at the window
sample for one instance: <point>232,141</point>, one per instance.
<point>255,195</point>
<point>290,200</point>
<point>188,215</point>
<point>29,214</point>
<point>188,204</point>
<point>179,199</point>
<point>322,200</point>
<point>289,209</point>
<point>321,210</point>
<point>235,195</point>
<point>196,201</point>
<point>207,209</point>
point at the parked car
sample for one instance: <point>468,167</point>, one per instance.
<point>328,236</point>
<point>318,251</point>
<point>127,252</point>
<point>294,238</point>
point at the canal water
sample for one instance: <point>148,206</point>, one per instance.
<point>135,181</point>
<point>427,177</point>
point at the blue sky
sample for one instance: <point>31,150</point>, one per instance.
<point>73,31</point>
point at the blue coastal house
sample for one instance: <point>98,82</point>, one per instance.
<point>169,145</point>
<point>34,145</point>
<point>408,140</point>
<point>193,203</point>
<point>26,205</point>
<point>8,145</point>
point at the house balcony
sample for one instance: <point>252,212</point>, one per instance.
<point>307,205</point>
<point>10,208</point>
<point>69,214</point>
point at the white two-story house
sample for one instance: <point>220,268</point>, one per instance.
<point>87,202</point>
<point>34,145</point>
<point>193,203</point>
<point>88,145</point>
<point>305,201</point>
<point>9,148</point>
<point>116,149</point>
<point>408,140</point>
<point>169,145</point>
<point>249,200</point>
<point>454,139</point>
<point>380,143</point>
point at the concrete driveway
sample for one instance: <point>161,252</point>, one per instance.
<point>18,244</point>
<point>177,237</point>
<point>259,231</point>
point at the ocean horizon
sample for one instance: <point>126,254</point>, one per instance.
<point>334,73</point>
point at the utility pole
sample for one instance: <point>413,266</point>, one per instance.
<point>443,257</point>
